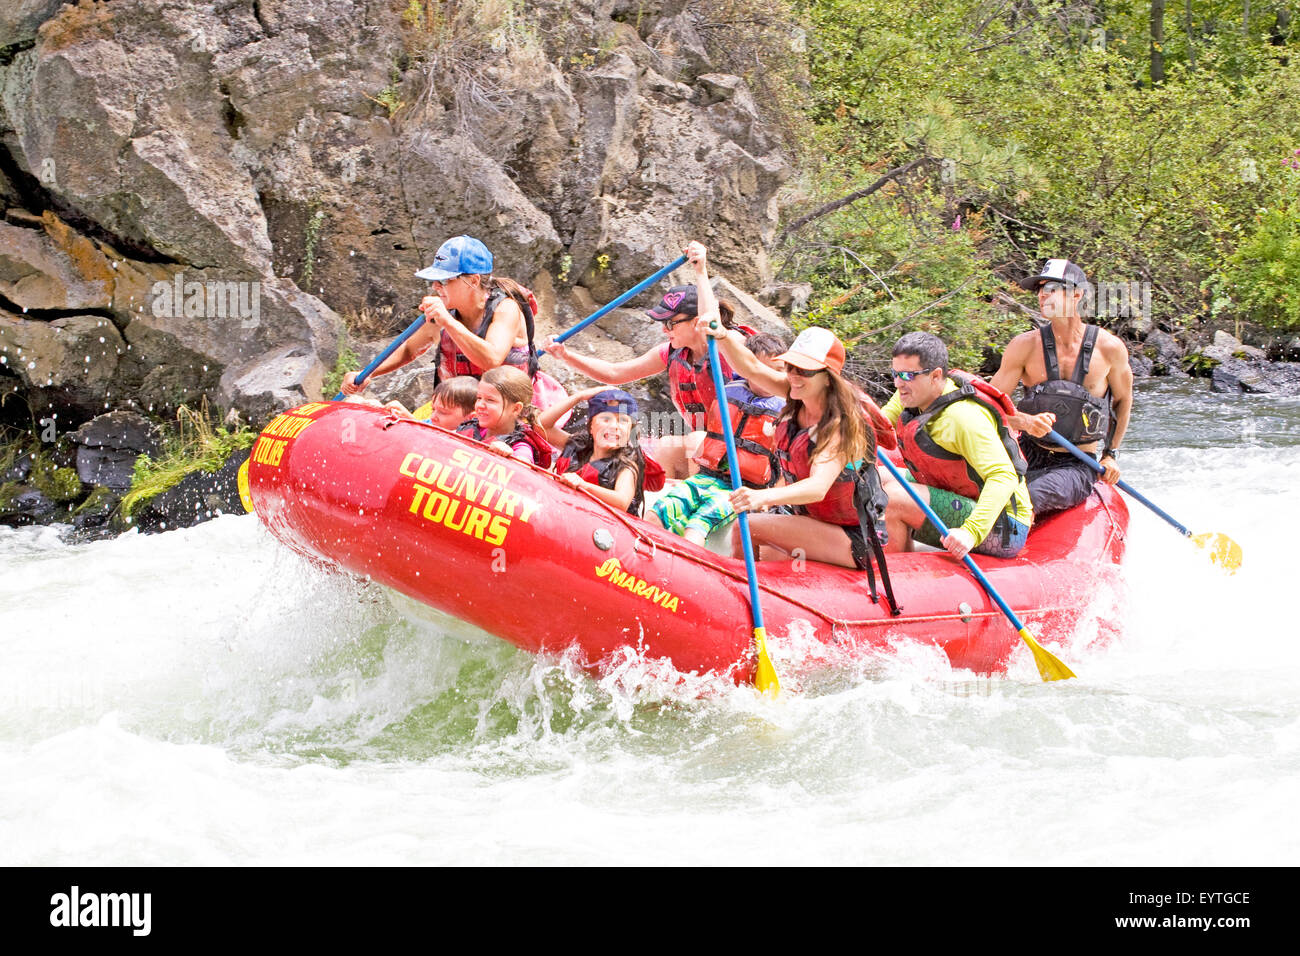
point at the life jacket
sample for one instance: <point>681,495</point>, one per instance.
<point>524,434</point>
<point>1081,417</point>
<point>880,423</point>
<point>604,472</point>
<point>933,465</point>
<point>753,427</point>
<point>794,456</point>
<point>452,361</point>
<point>856,498</point>
<point>691,386</point>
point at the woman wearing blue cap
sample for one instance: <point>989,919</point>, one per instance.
<point>479,321</point>
<point>605,457</point>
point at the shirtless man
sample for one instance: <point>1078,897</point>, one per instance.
<point>1077,381</point>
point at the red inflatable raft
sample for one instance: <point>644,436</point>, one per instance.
<point>511,549</point>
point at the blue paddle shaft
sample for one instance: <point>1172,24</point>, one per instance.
<point>635,290</point>
<point>720,387</point>
<point>638,288</point>
<point>397,343</point>
<point>1096,466</point>
<point>943,533</point>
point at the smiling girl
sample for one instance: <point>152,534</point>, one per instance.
<point>605,457</point>
<point>504,417</point>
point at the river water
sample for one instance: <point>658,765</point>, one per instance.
<point>206,697</point>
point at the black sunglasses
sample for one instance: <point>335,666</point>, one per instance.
<point>798,372</point>
<point>669,323</point>
<point>908,376</point>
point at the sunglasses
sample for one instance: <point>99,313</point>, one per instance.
<point>669,324</point>
<point>798,372</point>
<point>1050,287</point>
<point>444,282</point>
<point>908,376</point>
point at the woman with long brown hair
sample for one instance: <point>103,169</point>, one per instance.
<point>824,445</point>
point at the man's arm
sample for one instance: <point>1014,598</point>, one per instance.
<point>1012,373</point>
<point>968,430</point>
<point>1120,381</point>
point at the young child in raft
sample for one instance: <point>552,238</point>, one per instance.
<point>701,504</point>
<point>605,457</point>
<point>453,402</point>
<point>504,417</point>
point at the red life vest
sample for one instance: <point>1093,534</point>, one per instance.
<point>753,426</point>
<point>692,386</point>
<point>880,423</point>
<point>524,434</point>
<point>933,465</point>
<point>604,472</point>
<point>793,454</point>
<point>452,361</point>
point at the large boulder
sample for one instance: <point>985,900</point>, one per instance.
<point>321,150</point>
<point>108,445</point>
<point>197,497</point>
<point>67,365</point>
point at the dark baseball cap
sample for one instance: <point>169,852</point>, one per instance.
<point>681,299</point>
<point>611,400</point>
<point>1056,270</point>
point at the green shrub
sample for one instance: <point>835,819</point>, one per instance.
<point>196,443</point>
<point>1262,276</point>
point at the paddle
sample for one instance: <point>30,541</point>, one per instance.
<point>1223,550</point>
<point>1050,667</point>
<point>397,342</point>
<point>765,678</point>
<point>635,290</point>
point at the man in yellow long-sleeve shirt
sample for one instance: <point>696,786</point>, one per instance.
<point>959,455</point>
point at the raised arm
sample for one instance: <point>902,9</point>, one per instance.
<point>547,420</point>
<point>730,342</point>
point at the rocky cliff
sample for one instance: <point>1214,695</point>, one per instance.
<point>196,193</point>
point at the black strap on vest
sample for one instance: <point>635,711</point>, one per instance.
<point>495,299</point>
<point>1085,353</point>
<point>862,503</point>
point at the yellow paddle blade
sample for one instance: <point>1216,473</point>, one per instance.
<point>1050,667</point>
<point>245,495</point>
<point>1224,552</point>
<point>423,412</point>
<point>765,678</point>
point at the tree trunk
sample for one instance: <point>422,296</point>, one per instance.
<point>1157,42</point>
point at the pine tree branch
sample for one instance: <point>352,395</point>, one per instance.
<point>853,197</point>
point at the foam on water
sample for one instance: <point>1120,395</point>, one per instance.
<point>206,697</point>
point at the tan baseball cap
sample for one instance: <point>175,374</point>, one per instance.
<point>816,348</point>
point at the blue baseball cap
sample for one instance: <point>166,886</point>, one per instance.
<point>463,255</point>
<point>611,400</point>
